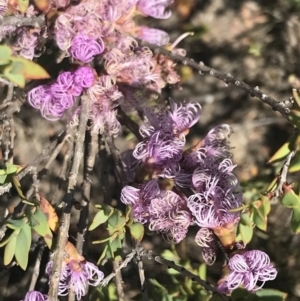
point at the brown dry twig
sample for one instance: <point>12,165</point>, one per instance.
<point>66,218</point>
<point>225,77</point>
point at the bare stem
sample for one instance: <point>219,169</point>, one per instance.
<point>141,271</point>
<point>66,218</point>
<point>225,77</point>
<point>119,280</point>
<point>36,270</point>
<point>122,265</point>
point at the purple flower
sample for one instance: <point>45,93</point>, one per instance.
<point>84,48</point>
<point>247,269</point>
<point>35,296</point>
<point>155,8</point>
<point>3,6</point>
<point>65,84</point>
<point>153,35</point>
<point>77,275</point>
<point>52,106</point>
<point>84,77</point>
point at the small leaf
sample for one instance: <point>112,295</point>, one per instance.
<point>42,5</point>
<point>3,179</point>
<point>11,168</point>
<point>295,221</point>
<point>7,239</point>
<point>102,255</point>
<point>99,219</point>
<point>50,213</point>
<point>10,248</point>
<point>16,223</point>
<point>245,233</point>
<point>48,238</point>
<point>268,294</point>
<point>5,52</point>
<point>281,153</point>
<point>31,69</point>
<point>17,79</point>
<point>202,271</point>
<point>23,246</point>
<point>137,231</point>
<point>23,5</point>
<point>290,200</point>
<point>17,185</point>
<point>41,226</point>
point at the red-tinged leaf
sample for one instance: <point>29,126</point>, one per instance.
<point>23,5</point>
<point>10,248</point>
<point>48,238</point>
<point>42,5</point>
<point>23,246</point>
<point>31,69</point>
<point>72,253</point>
<point>50,213</point>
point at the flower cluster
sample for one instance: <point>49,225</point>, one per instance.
<point>247,269</point>
<point>54,99</point>
<point>35,296</point>
<point>77,276</point>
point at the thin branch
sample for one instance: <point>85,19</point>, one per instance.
<point>116,156</point>
<point>225,77</point>
<point>122,265</point>
<point>186,273</point>
<point>129,123</point>
<point>141,271</point>
<point>66,218</point>
<point>36,269</point>
<point>20,21</point>
<point>103,171</point>
<point>119,281</point>
<point>281,178</point>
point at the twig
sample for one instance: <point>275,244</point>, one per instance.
<point>66,218</point>
<point>36,270</point>
<point>89,162</point>
<point>129,123</point>
<point>184,272</point>
<point>141,271</point>
<point>123,264</point>
<point>282,177</point>
<point>225,77</point>
<point>119,281</point>
<point>19,21</point>
<point>116,156</point>
<point>103,172</point>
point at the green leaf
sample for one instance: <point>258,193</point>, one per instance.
<point>295,164</point>
<point>41,226</point>
<point>99,219</point>
<point>281,153</point>
<point>295,221</point>
<point>5,52</point>
<point>241,294</point>
<point>11,168</point>
<point>23,5</point>
<point>16,223</point>
<point>3,179</point>
<point>23,246</point>
<point>290,200</point>
<point>245,233</point>
<point>17,79</point>
<point>271,295</point>
<point>31,69</point>
<point>102,255</point>
<point>17,185</point>
<point>202,271</point>
<point>10,248</point>
<point>115,222</point>
<point>7,239</point>
<point>137,231</point>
